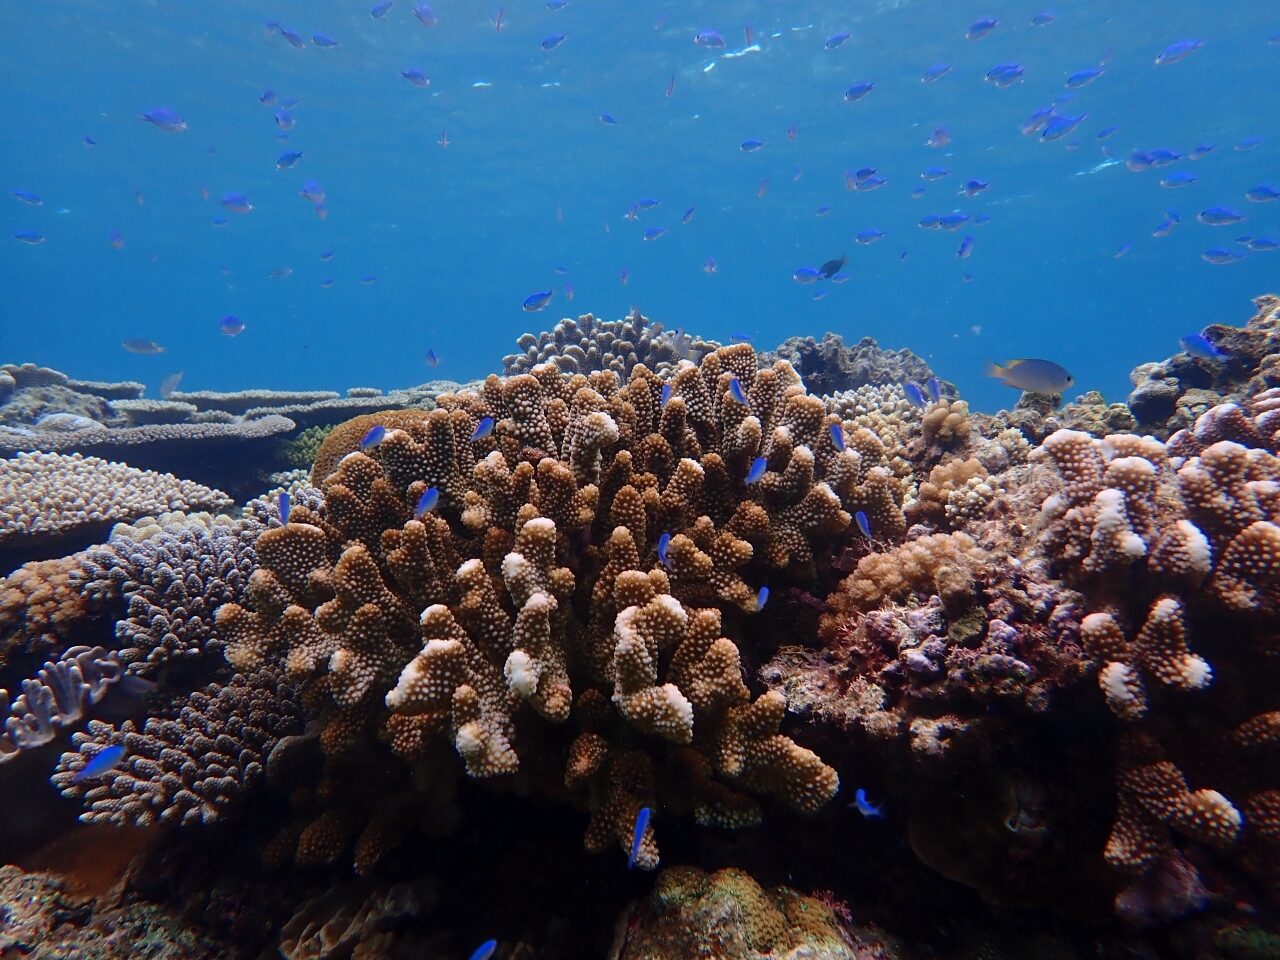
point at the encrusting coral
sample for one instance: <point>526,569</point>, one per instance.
<point>533,595</point>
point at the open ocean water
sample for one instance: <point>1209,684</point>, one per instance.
<point>448,204</point>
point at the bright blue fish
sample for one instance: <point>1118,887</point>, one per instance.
<point>1082,78</point>
<point>758,467</point>
<point>230,326</point>
<point>608,118</point>
<point>980,28</point>
<point>1123,249</point>
<point>935,388</point>
<point>709,39</point>
<point>1262,244</point>
<point>374,436</point>
<point>940,138</point>
<point>537,301</point>
<point>380,9</point>
<point>323,40</point>
<point>312,192</point>
<point>162,118</point>
<point>837,436</point>
<point>735,391</point>
<point>1201,150</point>
<point>915,396</point>
<point>294,38</point>
<point>1198,345</point>
<point>1263,193</point>
<point>1180,178</point>
<point>664,543</point>
<point>1106,132</point>
<point>864,524</point>
<point>284,119</point>
<point>687,216</point>
<point>432,358</point>
<point>1042,19</point>
<point>934,173</point>
<point>806,275</point>
<point>1219,216</point>
<point>865,807</point>
<point>552,41</point>
<point>26,196</point>
<point>415,76</point>
<point>426,16</point>
<point>642,823</point>
<point>287,159</point>
<point>267,97</point>
<point>1177,51</point>
<point>1218,256</point>
<point>935,72</point>
<point>872,182</point>
<point>972,188</point>
<point>483,429</point>
<point>105,759</point>
<point>965,250</point>
<point>485,950</point>
<point>1060,126</point>
<point>1005,74</point>
<point>653,233</point>
<point>869,236</point>
<point>953,221</point>
<point>750,146</point>
<point>665,395</point>
<point>838,40</point>
<point>762,598</point>
<point>282,505</point>
<point>426,503</point>
<point>236,202</point>
<point>858,91</point>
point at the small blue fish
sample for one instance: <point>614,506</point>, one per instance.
<point>312,192</point>
<point>415,76</point>
<point>935,388</point>
<point>935,72</point>
<point>552,41</point>
<point>88,141</point>
<point>483,429</point>
<point>374,436</point>
<point>1123,249</point>
<point>735,391</point>
<point>432,358</point>
<point>1177,51</point>
<point>162,118</point>
<point>236,202</point>
<point>758,467</point>
<point>687,217</point>
<point>284,119</point>
<point>380,9</point>
<point>323,40</point>
<point>1198,345</point>
<point>664,543</point>
<point>665,395</point>
<point>865,807</point>
<point>1042,19</point>
<point>837,436</point>
<point>1037,121</point>
<point>966,248</point>
<point>980,28</point>
<point>426,16</point>
<point>642,824</point>
<point>864,525</point>
<point>1106,132</point>
<point>1005,74</point>
<point>292,36</point>
<point>26,196</point>
<point>858,91</point>
<point>326,283</point>
<point>915,396</point>
<point>537,301</point>
<point>709,39</point>
<point>806,275</point>
<point>953,221</point>
<point>972,188</point>
<point>1163,156</point>
<point>934,173</point>
<point>485,950</point>
<point>608,118</point>
<point>647,203</point>
<point>426,503</point>
<point>29,237</point>
<point>1082,78</point>
<point>282,506</point>
<point>105,759</point>
<point>762,598</point>
<point>868,236</point>
<point>835,41</point>
<point>1262,244</point>
<point>750,146</point>
<point>1263,193</point>
<point>1201,150</point>
<point>287,159</point>
<point>1060,126</point>
<point>267,97</point>
<point>870,183</point>
<point>230,326</point>
<point>1218,256</point>
<point>1219,216</point>
<point>1162,231</point>
<point>653,233</point>
<point>1178,179</point>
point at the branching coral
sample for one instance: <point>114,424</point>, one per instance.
<point>533,595</point>
<point>58,696</point>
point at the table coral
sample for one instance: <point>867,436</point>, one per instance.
<point>534,591</point>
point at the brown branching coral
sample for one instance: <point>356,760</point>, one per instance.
<point>533,596</point>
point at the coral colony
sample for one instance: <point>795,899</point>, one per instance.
<point>1027,659</point>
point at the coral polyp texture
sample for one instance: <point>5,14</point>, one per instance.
<point>588,344</point>
<point>533,597</point>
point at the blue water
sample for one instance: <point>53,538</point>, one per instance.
<point>458,236</point>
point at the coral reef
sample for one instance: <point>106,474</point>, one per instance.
<point>691,913</point>
<point>540,594</point>
<point>827,366</point>
<point>586,345</point>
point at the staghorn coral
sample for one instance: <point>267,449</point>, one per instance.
<point>465,624</point>
<point>46,495</point>
<point>587,344</point>
<point>189,762</point>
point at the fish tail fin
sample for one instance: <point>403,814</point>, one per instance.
<point>994,369</point>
